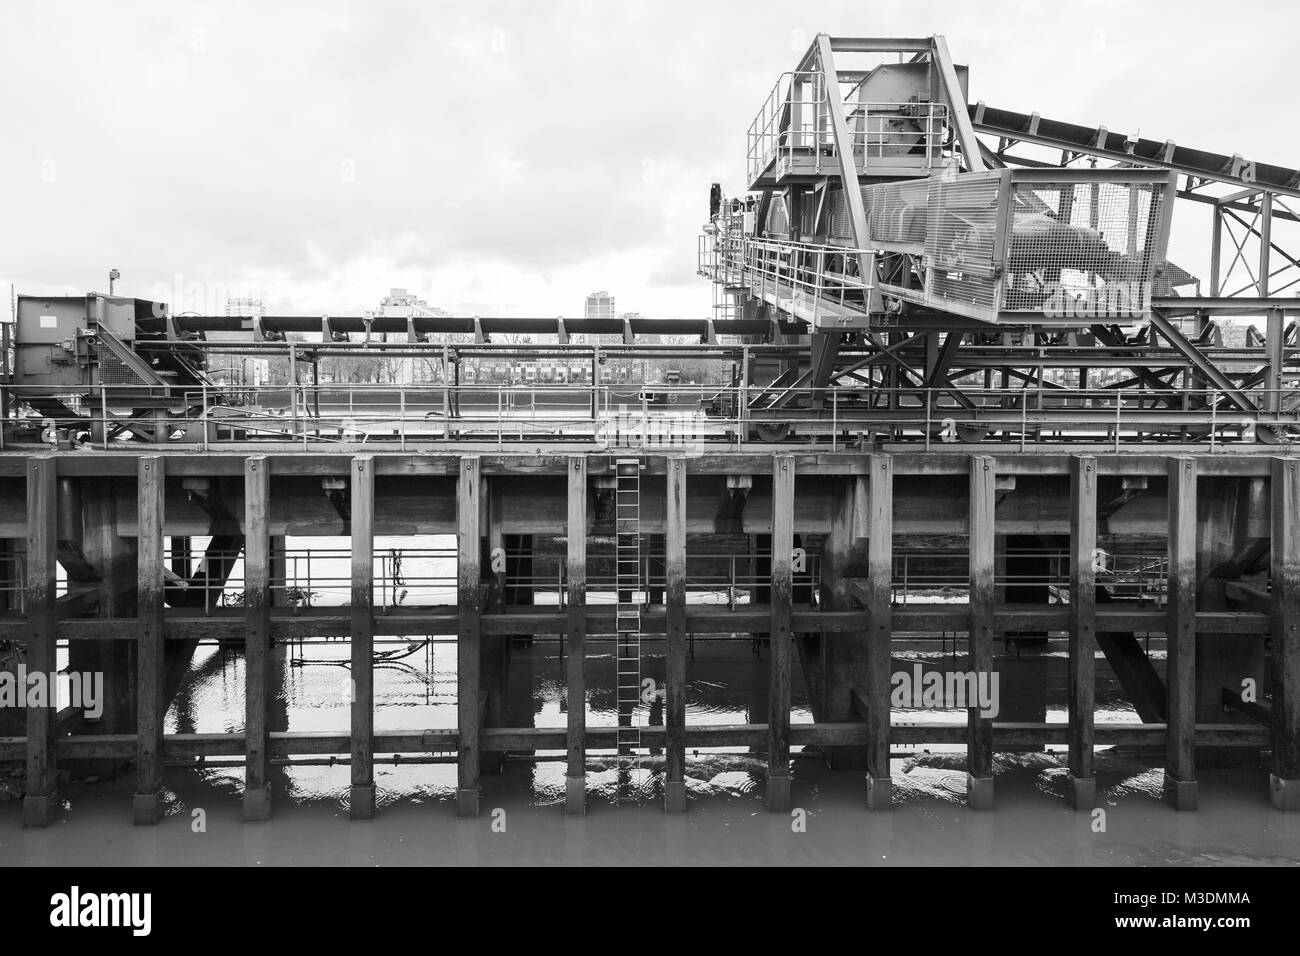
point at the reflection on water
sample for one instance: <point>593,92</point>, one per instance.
<point>726,824</point>
<point>415,690</point>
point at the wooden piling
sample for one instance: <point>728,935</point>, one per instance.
<point>1180,631</point>
<point>880,571</point>
<point>469,605</point>
<point>675,650</point>
<point>114,560</point>
<point>979,746</point>
<point>150,661</point>
<point>40,797</point>
<point>257,639</point>
<point>780,639</point>
<point>841,660</point>
<point>1284,781</point>
<point>494,648</point>
<point>1081,681</point>
<point>363,638</point>
<point>576,637</point>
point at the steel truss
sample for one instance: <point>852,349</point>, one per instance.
<point>1165,371</point>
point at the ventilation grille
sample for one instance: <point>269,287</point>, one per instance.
<point>113,371</point>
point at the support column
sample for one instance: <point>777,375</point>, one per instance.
<point>1180,631</point>
<point>979,744</point>
<point>363,638</point>
<point>1082,792</point>
<point>843,657</point>
<point>778,718</point>
<point>469,603</point>
<point>675,652</point>
<point>1284,781</point>
<point>880,571</point>
<point>1274,343</point>
<point>257,639</point>
<point>495,647</point>
<point>114,560</point>
<point>150,662</point>
<point>575,780</point>
<point>42,622</point>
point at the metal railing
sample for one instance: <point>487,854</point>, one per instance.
<point>794,123</point>
<point>894,130</point>
<point>936,576</point>
<point>820,276</point>
<point>661,415</point>
<point>307,577</point>
<point>781,119</point>
<point>13,583</point>
<point>820,273</point>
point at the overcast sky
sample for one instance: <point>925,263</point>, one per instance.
<point>508,158</point>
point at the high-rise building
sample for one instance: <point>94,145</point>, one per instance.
<point>600,305</point>
<point>402,304</point>
<point>243,370</point>
<point>253,307</point>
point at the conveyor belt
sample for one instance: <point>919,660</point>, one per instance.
<point>1100,141</point>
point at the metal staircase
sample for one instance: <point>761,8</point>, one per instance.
<point>628,612</point>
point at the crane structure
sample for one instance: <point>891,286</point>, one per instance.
<point>969,274</point>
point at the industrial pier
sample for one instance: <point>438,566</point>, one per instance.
<point>927,337</point>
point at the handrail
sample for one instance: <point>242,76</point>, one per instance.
<point>685,416</point>
<point>790,122</point>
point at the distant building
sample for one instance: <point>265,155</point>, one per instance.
<point>253,307</point>
<point>642,339</point>
<point>600,305</point>
<point>240,369</point>
<point>401,304</point>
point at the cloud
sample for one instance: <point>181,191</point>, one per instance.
<point>500,157</point>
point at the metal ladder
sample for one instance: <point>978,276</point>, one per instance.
<point>627,535</point>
